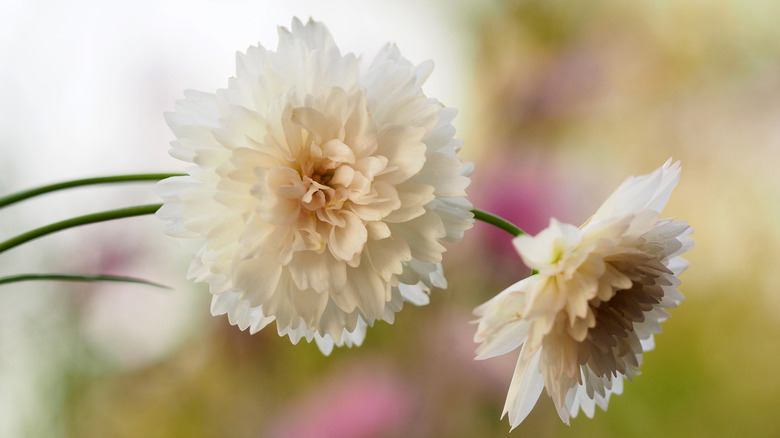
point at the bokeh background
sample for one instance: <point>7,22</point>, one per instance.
<point>559,102</point>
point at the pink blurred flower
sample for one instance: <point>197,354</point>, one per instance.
<point>360,403</point>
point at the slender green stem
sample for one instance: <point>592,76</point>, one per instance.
<point>77,221</point>
<point>26,194</point>
<point>497,221</point>
<point>78,277</point>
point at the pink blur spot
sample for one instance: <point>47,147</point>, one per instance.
<point>362,403</point>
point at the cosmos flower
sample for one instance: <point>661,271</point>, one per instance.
<point>322,190</point>
<point>584,320</point>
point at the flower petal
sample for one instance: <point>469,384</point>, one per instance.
<point>525,389</point>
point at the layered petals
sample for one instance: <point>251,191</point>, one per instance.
<point>321,189</point>
<point>583,321</point>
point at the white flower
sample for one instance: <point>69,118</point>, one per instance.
<point>322,190</point>
<point>583,322</point>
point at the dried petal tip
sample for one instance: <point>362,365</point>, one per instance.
<point>584,321</point>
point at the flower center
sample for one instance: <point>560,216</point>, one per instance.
<point>322,191</point>
<point>327,175</point>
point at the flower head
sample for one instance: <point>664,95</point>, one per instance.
<point>583,322</point>
<point>322,190</point>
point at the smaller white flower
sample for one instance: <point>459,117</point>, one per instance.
<point>584,320</point>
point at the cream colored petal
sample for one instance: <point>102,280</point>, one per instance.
<point>384,201</point>
<point>416,294</point>
<point>377,230</point>
<point>309,305</point>
<point>359,128</point>
<point>337,150</point>
<point>525,389</point>
<point>548,246</point>
<point>415,110</point>
<point>422,234</point>
<point>442,171</point>
<point>368,291</point>
<point>651,191</point>
<point>315,123</point>
<point>371,166</point>
<point>353,338</point>
<point>335,322</point>
<point>346,243</point>
<point>324,343</point>
<point>343,176</point>
<point>387,255</point>
<point>508,337</point>
<point>431,274</point>
<point>198,108</point>
<point>455,214</point>
<point>257,278</point>
<point>414,197</point>
<point>356,336</point>
<point>238,125</point>
<point>319,272</point>
<point>246,160</point>
<point>404,150</point>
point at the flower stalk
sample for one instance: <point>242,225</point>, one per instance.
<point>78,221</point>
<point>497,221</point>
<point>27,194</point>
<point>78,278</point>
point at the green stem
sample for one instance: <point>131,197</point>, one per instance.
<point>76,221</point>
<point>497,221</point>
<point>77,277</point>
<point>26,194</point>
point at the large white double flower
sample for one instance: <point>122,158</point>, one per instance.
<point>322,191</point>
<point>584,320</point>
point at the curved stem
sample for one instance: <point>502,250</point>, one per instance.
<point>77,221</point>
<point>497,221</point>
<point>78,277</point>
<point>26,194</point>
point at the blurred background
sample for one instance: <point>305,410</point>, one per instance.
<point>559,102</point>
